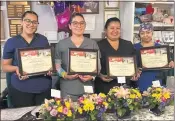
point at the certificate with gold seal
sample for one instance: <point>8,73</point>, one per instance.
<point>35,61</point>
<point>121,66</point>
<point>83,61</point>
<point>155,58</point>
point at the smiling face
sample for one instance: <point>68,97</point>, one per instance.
<point>29,24</point>
<point>77,26</point>
<point>113,30</point>
<point>146,36</point>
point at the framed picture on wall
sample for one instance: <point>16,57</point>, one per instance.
<point>86,7</point>
<point>111,4</point>
<point>111,13</point>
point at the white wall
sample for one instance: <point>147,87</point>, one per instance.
<point>127,20</point>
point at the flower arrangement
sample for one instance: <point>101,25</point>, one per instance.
<point>124,100</point>
<point>157,98</point>
<point>57,110</point>
<point>92,106</point>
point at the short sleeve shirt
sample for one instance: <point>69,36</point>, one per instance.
<point>36,84</point>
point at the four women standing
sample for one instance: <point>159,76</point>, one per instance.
<point>26,91</point>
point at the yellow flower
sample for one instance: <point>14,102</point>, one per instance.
<point>60,109</point>
<point>132,96</point>
<point>46,105</point>
<point>80,110</point>
<point>85,101</point>
<point>157,96</point>
<point>109,99</point>
<point>88,107</point>
<point>85,107</point>
<point>166,95</point>
<point>102,95</point>
<point>58,102</point>
<point>159,89</point>
<point>91,107</point>
<point>69,113</point>
<point>139,95</point>
<point>105,104</point>
<point>154,95</point>
<point>67,105</point>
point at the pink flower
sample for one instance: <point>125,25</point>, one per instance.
<point>99,100</point>
<point>49,108</point>
<point>81,99</point>
<point>65,111</point>
<point>53,112</point>
<point>163,99</point>
<point>122,93</point>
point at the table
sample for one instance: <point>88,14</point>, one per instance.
<point>143,114</point>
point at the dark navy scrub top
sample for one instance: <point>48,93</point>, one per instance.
<point>36,84</point>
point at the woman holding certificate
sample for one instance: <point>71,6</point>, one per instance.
<point>147,77</point>
<point>113,45</point>
<point>24,90</point>
<point>74,85</point>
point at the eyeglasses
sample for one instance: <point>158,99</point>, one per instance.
<point>75,23</point>
<point>28,22</point>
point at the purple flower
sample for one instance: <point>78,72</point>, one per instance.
<point>101,109</point>
<point>162,103</point>
<point>53,112</point>
<point>99,115</point>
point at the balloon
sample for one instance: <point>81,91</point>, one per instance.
<point>60,6</point>
<point>63,20</point>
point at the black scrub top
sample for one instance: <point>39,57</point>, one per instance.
<point>125,48</point>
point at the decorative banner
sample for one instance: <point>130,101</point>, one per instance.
<point>16,9</point>
<point>14,27</point>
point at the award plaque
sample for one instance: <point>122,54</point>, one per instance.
<point>121,66</point>
<point>155,58</point>
<point>15,9</point>
<point>2,27</point>
<point>14,27</point>
<point>83,61</point>
<point>35,61</point>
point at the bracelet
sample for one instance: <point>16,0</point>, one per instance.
<point>63,74</point>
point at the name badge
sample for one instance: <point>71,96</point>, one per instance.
<point>55,93</point>
<point>88,89</point>
<point>121,79</point>
<point>156,83</point>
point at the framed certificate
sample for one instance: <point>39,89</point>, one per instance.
<point>121,66</point>
<point>154,58</point>
<point>35,61</point>
<point>110,14</point>
<point>83,61</point>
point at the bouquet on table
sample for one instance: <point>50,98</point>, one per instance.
<point>57,110</point>
<point>92,106</point>
<point>156,98</point>
<point>124,100</point>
